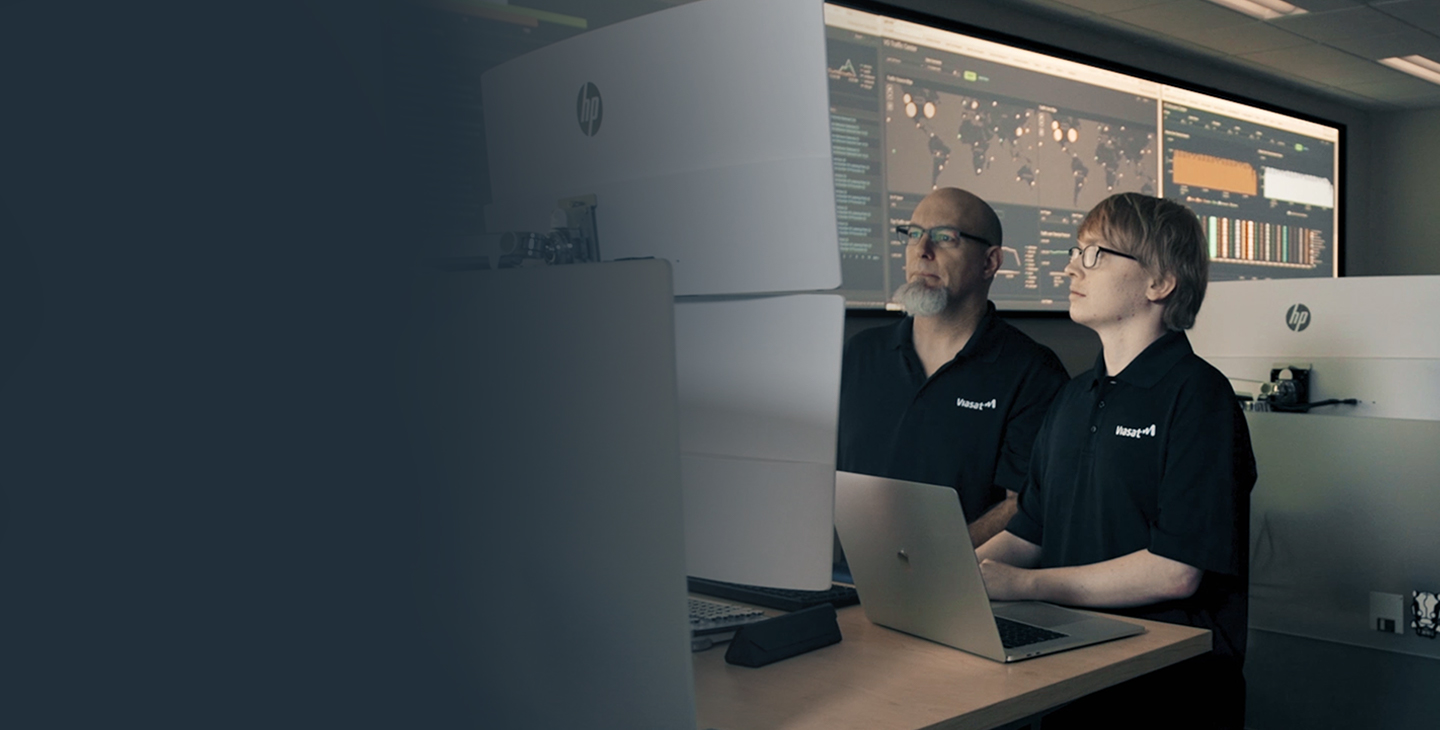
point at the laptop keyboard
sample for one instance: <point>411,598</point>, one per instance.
<point>1015,634</point>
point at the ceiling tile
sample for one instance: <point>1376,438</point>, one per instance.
<point>1179,15</point>
<point>1370,103</point>
<point>1347,76</point>
<point>1412,42</point>
<point>1351,23</point>
<point>1242,62</point>
<point>1108,26</point>
<point>1057,7</point>
<point>1403,89</point>
<point>1404,85</point>
<point>1311,86</point>
<point>1248,38</point>
<point>1169,43</point>
<point>1301,58</point>
<point>1328,51</point>
<point>1423,14</point>
<point>1105,7</point>
<point>1320,6</point>
<point>1360,100</point>
<point>1325,65</point>
<point>1361,71</point>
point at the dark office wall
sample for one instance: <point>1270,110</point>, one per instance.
<point>1404,196</point>
<point>208,517</point>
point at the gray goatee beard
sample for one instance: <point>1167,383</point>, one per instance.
<point>920,300</point>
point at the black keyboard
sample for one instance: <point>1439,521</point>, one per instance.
<point>1014,633</point>
<point>708,617</point>
<point>784,599</point>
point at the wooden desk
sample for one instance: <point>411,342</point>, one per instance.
<point>880,678</point>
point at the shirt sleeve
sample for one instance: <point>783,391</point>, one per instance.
<point>855,450</point>
<point>1047,376</point>
<point>1203,501</point>
<point>1028,523</point>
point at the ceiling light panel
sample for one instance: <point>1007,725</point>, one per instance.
<point>1417,66</point>
<point>1262,9</point>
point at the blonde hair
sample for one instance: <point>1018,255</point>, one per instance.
<point>1167,239</point>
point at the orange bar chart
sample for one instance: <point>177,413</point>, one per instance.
<point>1215,173</point>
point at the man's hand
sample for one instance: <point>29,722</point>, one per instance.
<point>1005,582</point>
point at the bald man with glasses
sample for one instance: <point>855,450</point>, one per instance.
<point>951,394</point>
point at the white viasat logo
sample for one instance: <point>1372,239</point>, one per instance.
<point>975,405</point>
<point>1135,433</point>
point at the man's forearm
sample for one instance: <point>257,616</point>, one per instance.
<point>1010,549</point>
<point>994,520</point>
<point>1137,579</point>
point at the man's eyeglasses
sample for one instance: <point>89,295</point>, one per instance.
<point>940,236</point>
<point>1090,255</point>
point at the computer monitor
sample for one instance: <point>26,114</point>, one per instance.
<point>703,131</point>
<point>759,385</point>
<point>1369,338</point>
<point>1371,343</point>
<point>919,103</point>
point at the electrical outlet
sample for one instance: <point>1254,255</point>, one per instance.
<point>1387,612</point>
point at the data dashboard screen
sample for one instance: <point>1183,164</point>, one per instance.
<point>1043,139</point>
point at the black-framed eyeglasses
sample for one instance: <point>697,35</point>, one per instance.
<point>1090,255</point>
<point>940,236</point>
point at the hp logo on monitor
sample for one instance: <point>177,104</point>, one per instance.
<point>588,109</point>
<point>1297,317</point>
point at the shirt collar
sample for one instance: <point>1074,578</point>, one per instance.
<point>903,336</point>
<point>979,347</point>
<point>1151,364</point>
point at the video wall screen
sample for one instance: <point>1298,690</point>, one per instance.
<point>1043,139</point>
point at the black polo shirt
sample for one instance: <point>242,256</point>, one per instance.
<point>1158,457</point>
<point>969,426</point>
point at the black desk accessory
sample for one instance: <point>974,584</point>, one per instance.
<point>782,637</point>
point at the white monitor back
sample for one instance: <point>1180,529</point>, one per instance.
<point>1370,338</point>
<point>1343,507</point>
<point>712,148</point>
<point>759,384</point>
<point>545,407</point>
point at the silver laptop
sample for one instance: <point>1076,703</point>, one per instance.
<point>915,571</point>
